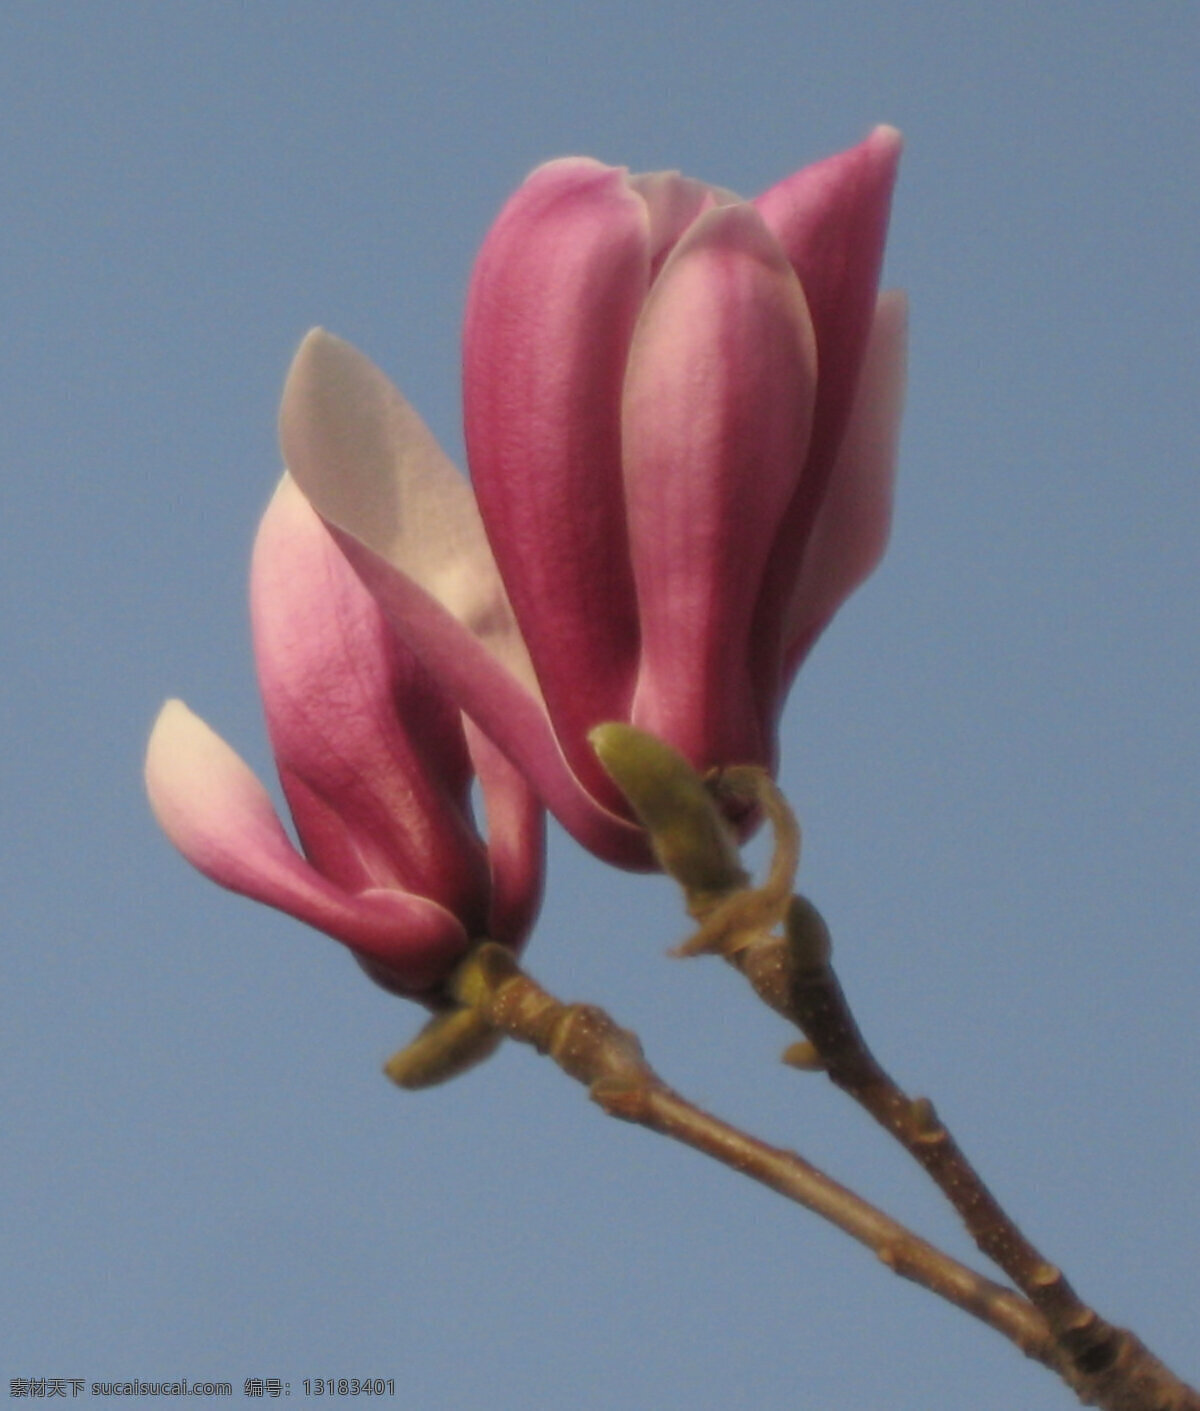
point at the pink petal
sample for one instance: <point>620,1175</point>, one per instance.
<point>718,404</point>
<point>347,434</point>
<point>831,219</point>
<point>851,529</point>
<point>516,841</point>
<point>553,298</point>
<point>513,718</point>
<point>219,817</point>
<point>371,755</point>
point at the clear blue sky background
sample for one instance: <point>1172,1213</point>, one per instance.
<point>994,753</point>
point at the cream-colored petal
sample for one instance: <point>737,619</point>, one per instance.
<point>369,464</point>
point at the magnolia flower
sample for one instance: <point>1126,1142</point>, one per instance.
<point>681,418</point>
<point>376,768</point>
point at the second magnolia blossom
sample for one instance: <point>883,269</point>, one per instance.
<point>376,768</point>
<point>681,414</point>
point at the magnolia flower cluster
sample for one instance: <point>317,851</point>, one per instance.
<point>681,414</point>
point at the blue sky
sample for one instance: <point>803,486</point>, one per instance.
<point>994,752</point>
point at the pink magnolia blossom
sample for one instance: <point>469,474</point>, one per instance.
<point>376,767</point>
<point>681,417</point>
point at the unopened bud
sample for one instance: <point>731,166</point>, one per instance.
<point>803,1055</point>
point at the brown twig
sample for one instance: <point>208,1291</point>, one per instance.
<point>1108,1366</point>
<point>589,1046</point>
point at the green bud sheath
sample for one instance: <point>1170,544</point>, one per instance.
<point>447,1046</point>
<point>690,838</point>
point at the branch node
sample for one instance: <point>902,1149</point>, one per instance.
<point>618,1097</point>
